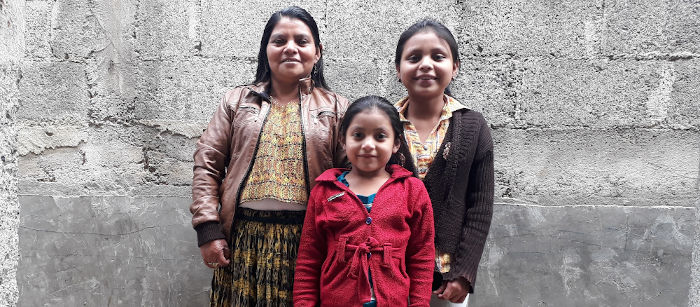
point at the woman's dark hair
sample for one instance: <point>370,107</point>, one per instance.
<point>294,12</point>
<point>428,25</point>
<point>372,102</point>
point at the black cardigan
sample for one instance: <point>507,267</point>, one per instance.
<point>460,182</point>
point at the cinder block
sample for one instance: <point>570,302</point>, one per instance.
<point>222,22</point>
<point>168,29</point>
<point>53,93</point>
<point>682,105</point>
<point>187,90</point>
<point>12,47</point>
<point>619,93</point>
<point>75,30</point>
<point>491,85</point>
<point>641,27</point>
<point>584,256</point>
<point>359,29</point>
<point>145,243</point>
<point>560,29</point>
<point>100,165</point>
<point>357,77</point>
<point>38,28</point>
<point>36,139</point>
<point>597,167</point>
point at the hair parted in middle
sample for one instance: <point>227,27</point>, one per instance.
<point>436,27</point>
<point>372,102</point>
<point>262,73</point>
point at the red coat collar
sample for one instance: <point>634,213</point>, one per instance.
<point>395,170</point>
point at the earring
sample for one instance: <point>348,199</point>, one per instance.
<point>314,70</point>
<point>402,159</point>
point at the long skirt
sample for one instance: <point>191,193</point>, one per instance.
<point>263,255</point>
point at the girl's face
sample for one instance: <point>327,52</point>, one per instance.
<point>426,66</point>
<point>291,51</point>
<point>370,141</point>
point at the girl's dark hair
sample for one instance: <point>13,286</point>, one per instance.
<point>428,25</point>
<point>294,12</point>
<point>371,102</point>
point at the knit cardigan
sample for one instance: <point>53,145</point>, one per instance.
<point>338,235</point>
<point>460,183</point>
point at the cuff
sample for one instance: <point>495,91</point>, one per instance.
<point>209,231</point>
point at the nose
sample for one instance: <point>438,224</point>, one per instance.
<point>426,63</point>
<point>368,145</point>
<point>290,47</point>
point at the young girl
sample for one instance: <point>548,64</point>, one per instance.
<point>367,239</point>
<point>453,152</point>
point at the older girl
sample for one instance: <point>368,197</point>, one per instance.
<point>452,149</point>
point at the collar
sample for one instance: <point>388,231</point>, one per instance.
<point>395,170</point>
<point>450,106</point>
<point>262,89</point>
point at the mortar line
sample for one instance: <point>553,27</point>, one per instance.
<point>592,206</point>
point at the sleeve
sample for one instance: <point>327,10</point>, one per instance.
<point>340,159</point>
<point>420,252</point>
<point>312,253</point>
<point>210,159</point>
<point>479,201</point>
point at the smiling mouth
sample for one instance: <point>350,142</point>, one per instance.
<point>366,156</point>
<point>426,78</point>
<point>290,61</point>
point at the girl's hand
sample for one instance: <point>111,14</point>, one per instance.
<point>455,290</point>
<point>215,253</point>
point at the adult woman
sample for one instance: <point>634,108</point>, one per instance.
<point>258,159</point>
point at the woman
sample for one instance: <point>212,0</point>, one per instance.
<point>256,163</point>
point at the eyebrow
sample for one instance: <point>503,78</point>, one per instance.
<point>296,36</point>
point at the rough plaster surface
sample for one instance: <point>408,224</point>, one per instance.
<point>11,55</point>
<point>594,108</point>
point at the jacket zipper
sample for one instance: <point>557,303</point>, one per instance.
<point>303,145</point>
<point>250,168</point>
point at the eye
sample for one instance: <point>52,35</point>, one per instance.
<point>278,41</point>
<point>381,136</point>
<point>357,135</point>
<point>302,42</point>
<point>439,57</point>
<point>413,58</point>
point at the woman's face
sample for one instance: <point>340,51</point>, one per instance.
<point>291,51</point>
<point>426,66</point>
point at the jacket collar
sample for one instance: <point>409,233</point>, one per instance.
<point>262,89</point>
<point>394,170</point>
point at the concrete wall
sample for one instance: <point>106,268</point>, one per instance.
<point>593,104</point>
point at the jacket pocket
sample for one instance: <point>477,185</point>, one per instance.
<point>322,115</point>
<point>338,209</point>
<point>244,115</point>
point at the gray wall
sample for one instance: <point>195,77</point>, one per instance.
<point>593,103</point>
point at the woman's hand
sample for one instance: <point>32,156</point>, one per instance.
<point>215,253</point>
<point>455,290</point>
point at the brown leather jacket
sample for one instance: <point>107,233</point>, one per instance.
<point>225,151</point>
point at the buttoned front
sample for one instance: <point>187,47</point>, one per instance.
<point>339,234</point>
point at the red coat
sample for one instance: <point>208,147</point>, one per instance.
<point>338,233</point>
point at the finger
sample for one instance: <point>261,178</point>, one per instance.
<point>211,264</point>
<point>438,291</point>
<point>221,259</point>
<point>449,293</point>
<point>227,253</point>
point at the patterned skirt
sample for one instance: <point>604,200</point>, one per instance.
<point>263,255</point>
